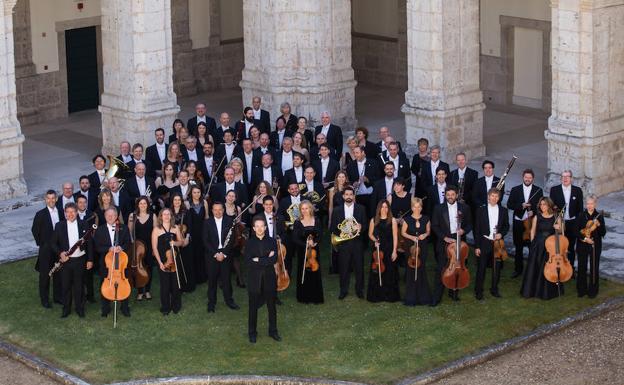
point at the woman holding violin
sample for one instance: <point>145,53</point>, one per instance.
<point>183,221</point>
<point>165,238</point>
<point>383,232</point>
<point>197,213</point>
<point>263,189</point>
<point>238,242</point>
<point>591,229</point>
<point>141,223</point>
<point>534,284</point>
<point>400,204</point>
<point>307,232</point>
<point>416,228</point>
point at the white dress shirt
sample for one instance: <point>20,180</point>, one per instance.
<point>54,215</point>
<point>257,113</point>
<point>298,174</point>
<point>488,182</point>
<point>526,191</point>
<point>309,184</point>
<point>115,198</point>
<point>208,162</point>
<point>280,137</point>
<point>73,236</point>
<point>201,119</point>
<point>389,183</point>
<point>362,189</point>
<point>324,164</point>
<point>184,189</point>
<point>325,130</point>
<point>267,174</point>
<point>434,167</point>
<point>229,150</point>
<point>461,173</point>
<point>269,220</point>
<point>219,223</point>
<point>287,160</point>
<point>126,158</point>
<point>101,174</point>
<point>396,165</point>
<point>567,193</point>
<point>249,164</point>
<point>162,152</point>
<point>247,128</point>
<point>141,185</point>
<point>230,187</point>
<point>492,218</point>
<point>348,210</point>
<point>111,233</point>
<point>441,188</point>
<point>192,154</point>
<point>67,200</point>
<point>452,212</point>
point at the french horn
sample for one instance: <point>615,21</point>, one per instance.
<point>349,229</point>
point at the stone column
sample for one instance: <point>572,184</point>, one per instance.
<point>443,102</point>
<point>11,162</point>
<point>183,76</point>
<point>138,72</point>
<point>586,129</point>
<point>300,51</point>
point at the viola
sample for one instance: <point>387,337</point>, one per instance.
<point>283,280</point>
<point>378,264</point>
<point>558,268</point>
<point>116,287</point>
<point>498,246</point>
<point>456,275</point>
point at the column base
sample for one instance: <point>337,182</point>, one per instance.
<point>12,184</point>
<point>594,161</point>
<point>454,130</point>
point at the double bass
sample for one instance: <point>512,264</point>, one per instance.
<point>456,275</point>
<point>116,287</point>
<point>558,268</point>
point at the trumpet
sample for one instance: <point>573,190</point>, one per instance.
<point>349,229</point>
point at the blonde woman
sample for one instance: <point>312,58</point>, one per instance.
<point>307,232</point>
<point>416,228</point>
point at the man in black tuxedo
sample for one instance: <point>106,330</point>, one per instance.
<point>243,127</point>
<point>284,157</point>
<point>294,174</point>
<point>250,159</point>
<point>293,198</point>
<point>226,151</point>
<point>121,199</point>
<point>267,171</point>
<point>90,218</point>
<point>66,235</point>
<point>224,126</point>
<point>419,161</point>
<point>315,149</point>
<point>570,196</point>
<point>275,222</point>
<point>311,183</point>
<point>200,116</point>
<point>382,147</point>
<point>206,163</point>
<point>218,256</point>
<point>157,152</point>
<point>350,253</point>
<point>260,115</point>
<point>332,132</point>
<point>85,190</point>
<point>277,137</point>
<point>219,190</point>
<point>325,166</point>
<point>137,157</point>
<point>265,145</point>
<point>184,187</point>
<point>363,172</point>
<point>382,188</point>
<point>436,194</point>
<point>83,212</point>
<point>97,177</point>
<point>492,223</point>
<point>67,196</point>
<point>467,176</point>
<point>484,184</point>
<point>446,227</point>
<point>42,228</point>
<point>190,150</point>
<point>400,161</point>
<point>108,238</point>
<point>523,200</point>
<point>140,184</point>
<point>428,171</point>
<point>125,154</point>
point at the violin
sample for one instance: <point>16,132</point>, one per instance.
<point>116,287</point>
<point>310,261</point>
<point>558,268</point>
<point>527,225</point>
<point>591,226</point>
<point>378,264</point>
<point>456,275</point>
<point>498,247</point>
<point>283,280</point>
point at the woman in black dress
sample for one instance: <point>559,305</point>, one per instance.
<point>307,230</point>
<point>263,189</point>
<point>383,232</point>
<point>233,211</point>
<point>165,235</point>
<point>141,224</point>
<point>290,119</point>
<point>417,226</point>
<point>534,284</point>
<point>302,128</point>
<point>197,212</point>
<point>183,220</point>
<point>334,196</point>
<point>400,204</point>
<point>588,249</point>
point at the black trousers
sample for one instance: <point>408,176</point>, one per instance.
<point>483,262</point>
<point>261,286</point>
<point>44,264</point>
<point>290,251</point>
<point>72,275</point>
<point>219,271</point>
<point>519,244</point>
<point>441,262</point>
<point>570,233</point>
<point>170,294</point>
<point>350,254</point>
<point>588,283</point>
<point>87,280</point>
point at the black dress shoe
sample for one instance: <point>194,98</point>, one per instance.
<point>91,299</point>
<point>278,301</point>
<point>360,295</point>
<point>46,305</point>
<point>479,296</point>
<point>211,309</point>
<point>275,336</point>
<point>232,305</point>
<point>495,293</point>
<point>252,339</point>
<point>104,314</point>
<point>516,274</point>
<point>125,312</point>
<point>342,295</point>
<point>450,294</point>
<point>434,303</point>
<point>456,297</point>
<point>80,313</point>
<point>65,314</point>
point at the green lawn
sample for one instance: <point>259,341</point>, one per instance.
<point>346,340</point>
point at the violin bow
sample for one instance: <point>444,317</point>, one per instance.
<point>379,263</point>
<point>305,259</point>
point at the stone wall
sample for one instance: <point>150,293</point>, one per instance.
<point>380,61</point>
<point>218,67</point>
<point>493,79</point>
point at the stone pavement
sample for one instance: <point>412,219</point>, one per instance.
<point>61,150</point>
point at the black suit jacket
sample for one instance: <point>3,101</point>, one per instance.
<point>279,225</point>
<point>314,153</point>
<point>379,193</point>
<point>284,203</point>
<point>151,156</point>
<point>426,177</point>
<point>576,199</point>
<point>332,169</point>
<point>60,239</point>
<point>211,239</point>
<point>291,177</point>
<point>132,188</point>
<point>42,233</point>
<point>211,125</point>
<point>92,199</point>
<point>482,226</point>
<point>201,166</point>
<point>433,200</point>
<point>217,193</point>
<point>371,171</point>
<point>334,137</point>
<point>264,123</point>
<point>102,241</point>
<point>126,205</point>
<point>338,215</point>
<point>316,186</point>
<point>403,171</point>
<point>257,176</point>
<point>270,150</point>
<point>440,223</point>
<point>198,153</point>
<point>479,191</point>
<point>380,149</point>
<point>274,138</point>
<point>516,199</point>
<point>277,159</point>
<point>60,208</point>
<point>217,135</point>
<point>255,162</point>
<point>470,178</point>
<point>94,180</point>
<point>291,124</point>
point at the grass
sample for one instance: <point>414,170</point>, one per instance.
<point>345,340</point>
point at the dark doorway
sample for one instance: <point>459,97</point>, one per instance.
<point>82,72</point>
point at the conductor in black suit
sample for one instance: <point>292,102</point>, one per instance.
<point>260,115</point>
<point>570,196</point>
<point>446,227</point>
<point>66,234</point>
<point>350,252</point>
<point>218,257</point>
<point>332,132</point>
<point>42,228</point>
<point>200,111</point>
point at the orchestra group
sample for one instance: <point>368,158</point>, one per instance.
<point>219,199</point>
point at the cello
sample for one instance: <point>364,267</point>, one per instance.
<point>456,275</point>
<point>558,268</point>
<point>139,277</point>
<point>116,287</point>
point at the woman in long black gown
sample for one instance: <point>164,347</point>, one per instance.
<point>383,232</point>
<point>400,205</point>
<point>141,224</point>
<point>311,290</point>
<point>417,225</point>
<point>534,284</point>
<point>183,220</point>
<point>232,210</point>
<point>197,212</point>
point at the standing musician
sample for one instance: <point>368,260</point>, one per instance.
<point>464,178</point>
<point>88,192</point>
<point>523,200</point>
<point>428,171</point>
<point>332,132</point>
<point>267,171</point>
<point>418,161</point>
<point>217,246</point>
<point>224,125</point>
<point>103,242</point>
<point>261,257</point>
<point>571,197</point>
<point>42,229</point>
<point>350,251</point>
<point>307,235</point>
<point>294,174</point>
<point>275,222</point>
<point>484,184</point>
<point>383,233</point>
<point>286,203</point>
<point>218,190</point>
<point>436,194</point>
<point>417,228</point>
<point>446,227</point>
<point>400,162</point>
<point>96,178</point>
<point>66,234</point>
<point>589,248</point>
<point>325,166</point>
<point>157,152</point>
<point>363,173</point>
<point>382,188</point>
<point>492,223</point>
<point>141,224</point>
